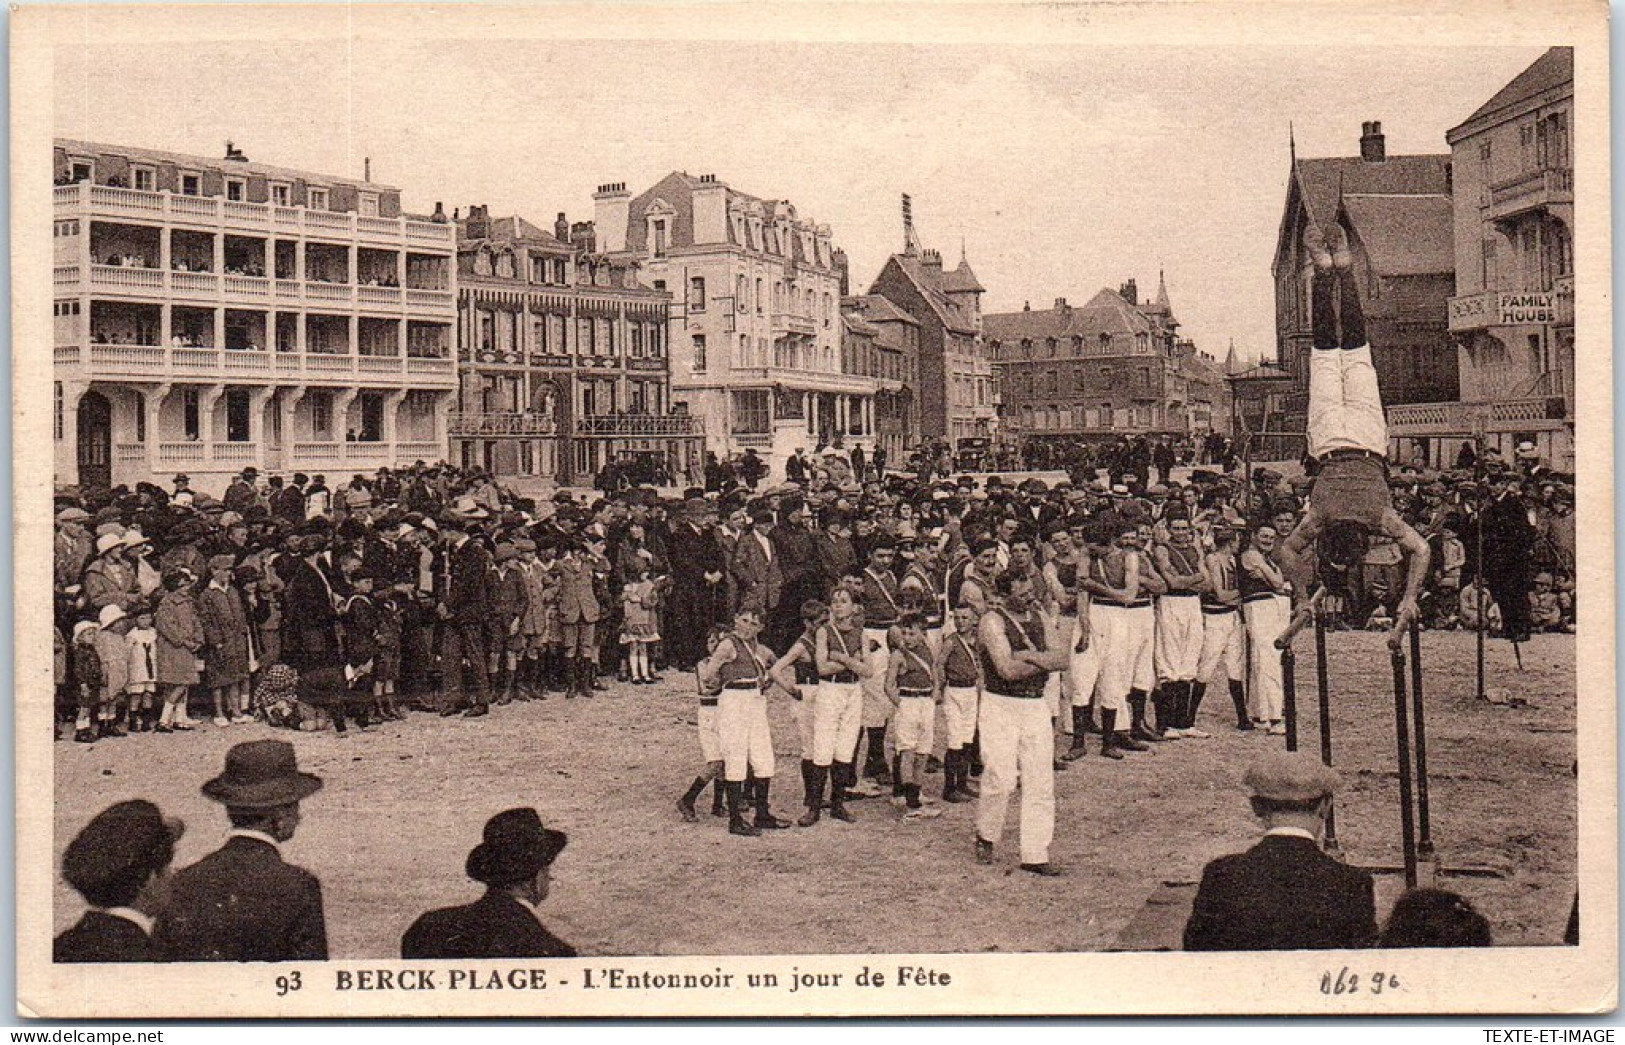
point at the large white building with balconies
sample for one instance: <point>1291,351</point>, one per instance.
<point>756,323</point>
<point>212,314</point>
<point>1512,317</point>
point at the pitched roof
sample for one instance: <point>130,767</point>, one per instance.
<point>928,281</point>
<point>1105,313</point>
<point>857,324</point>
<point>962,280</point>
<point>1404,235</point>
<point>508,230</point>
<point>1555,68</point>
<point>878,309</point>
<point>1323,180</point>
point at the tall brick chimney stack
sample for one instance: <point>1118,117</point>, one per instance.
<point>1373,146</point>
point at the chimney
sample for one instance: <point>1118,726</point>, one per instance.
<point>931,259</point>
<point>479,222</point>
<point>235,154</point>
<point>1129,292</point>
<point>439,214</point>
<point>561,228</point>
<point>584,237</point>
<point>1026,306</point>
<point>612,212</point>
<point>1373,147</point>
<point>366,169</point>
<point>1060,305</point>
<point>838,262</point>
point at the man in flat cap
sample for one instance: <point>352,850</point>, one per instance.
<point>1284,893</point>
<point>513,862</point>
<point>242,902</point>
<point>110,863</point>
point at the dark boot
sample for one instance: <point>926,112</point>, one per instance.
<point>505,696</point>
<point>1193,700</point>
<point>717,792</point>
<point>765,820</point>
<point>1139,728</point>
<point>816,776</point>
<point>1089,720</point>
<point>1108,736</point>
<point>841,773</point>
<point>685,805</point>
<point>569,678</point>
<point>1170,706</point>
<point>874,762</point>
<point>897,776</point>
<point>1238,697</point>
<point>594,683</point>
<point>737,824</point>
<point>1080,734</point>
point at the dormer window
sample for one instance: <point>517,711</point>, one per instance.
<point>367,203</point>
<point>191,184</point>
<point>318,199</point>
<point>281,193</point>
<point>236,189</point>
<point>144,178</point>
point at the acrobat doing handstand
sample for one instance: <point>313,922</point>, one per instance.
<point>1349,502</point>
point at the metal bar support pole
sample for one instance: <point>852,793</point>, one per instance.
<point>1424,843</point>
<point>1402,734</point>
<point>1289,693</point>
<point>1322,681</point>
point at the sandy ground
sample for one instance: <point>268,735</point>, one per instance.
<point>405,802</point>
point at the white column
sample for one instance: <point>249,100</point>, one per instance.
<point>219,328</point>
<point>67,457</point>
<point>218,241</point>
<point>392,405</point>
<point>207,398</point>
<point>257,398</point>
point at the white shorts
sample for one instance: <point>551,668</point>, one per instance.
<point>837,713</point>
<point>710,743</point>
<point>1224,640</point>
<point>959,707</point>
<point>1179,637</point>
<point>1052,694</point>
<point>914,724</point>
<point>1345,404</point>
<point>747,742</point>
<point>1126,662</point>
<point>1085,668</point>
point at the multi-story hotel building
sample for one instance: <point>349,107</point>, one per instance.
<point>1113,366</point>
<point>756,326</point>
<point>212,314</point>
<point>563,363</point>
<point>1512,316</point>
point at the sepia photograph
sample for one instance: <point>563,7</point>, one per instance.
<point>813,509</point>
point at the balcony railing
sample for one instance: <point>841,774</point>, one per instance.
<point>111,202</point>
<point>639,425</point>
<point>794,322</point>
<point>1520,414</point>
<point>1530,190</point>
<point>425,450</point>
<point>157,361</point>
<point>155,284</point>
<point>500,423</point>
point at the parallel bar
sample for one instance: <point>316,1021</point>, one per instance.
<point>1402,732</point>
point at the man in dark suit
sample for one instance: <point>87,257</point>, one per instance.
<point>309,608</point>
<point>513,862</point>
<point>1284,894</point>
<point>1509,547</point>
<point>288,504</point>
<point>755,567</point>
<point>697,592</point>
<point>242,902</point>
<point>111,863</point>
<point>467,611</point>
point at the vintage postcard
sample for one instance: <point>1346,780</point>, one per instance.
<point>668,509</point>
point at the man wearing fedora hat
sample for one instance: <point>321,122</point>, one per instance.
<point>466,609</point>
<point>111,863</point>
<point>1284,893</point>
<point>513,862</point>
<point>242,902</point>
